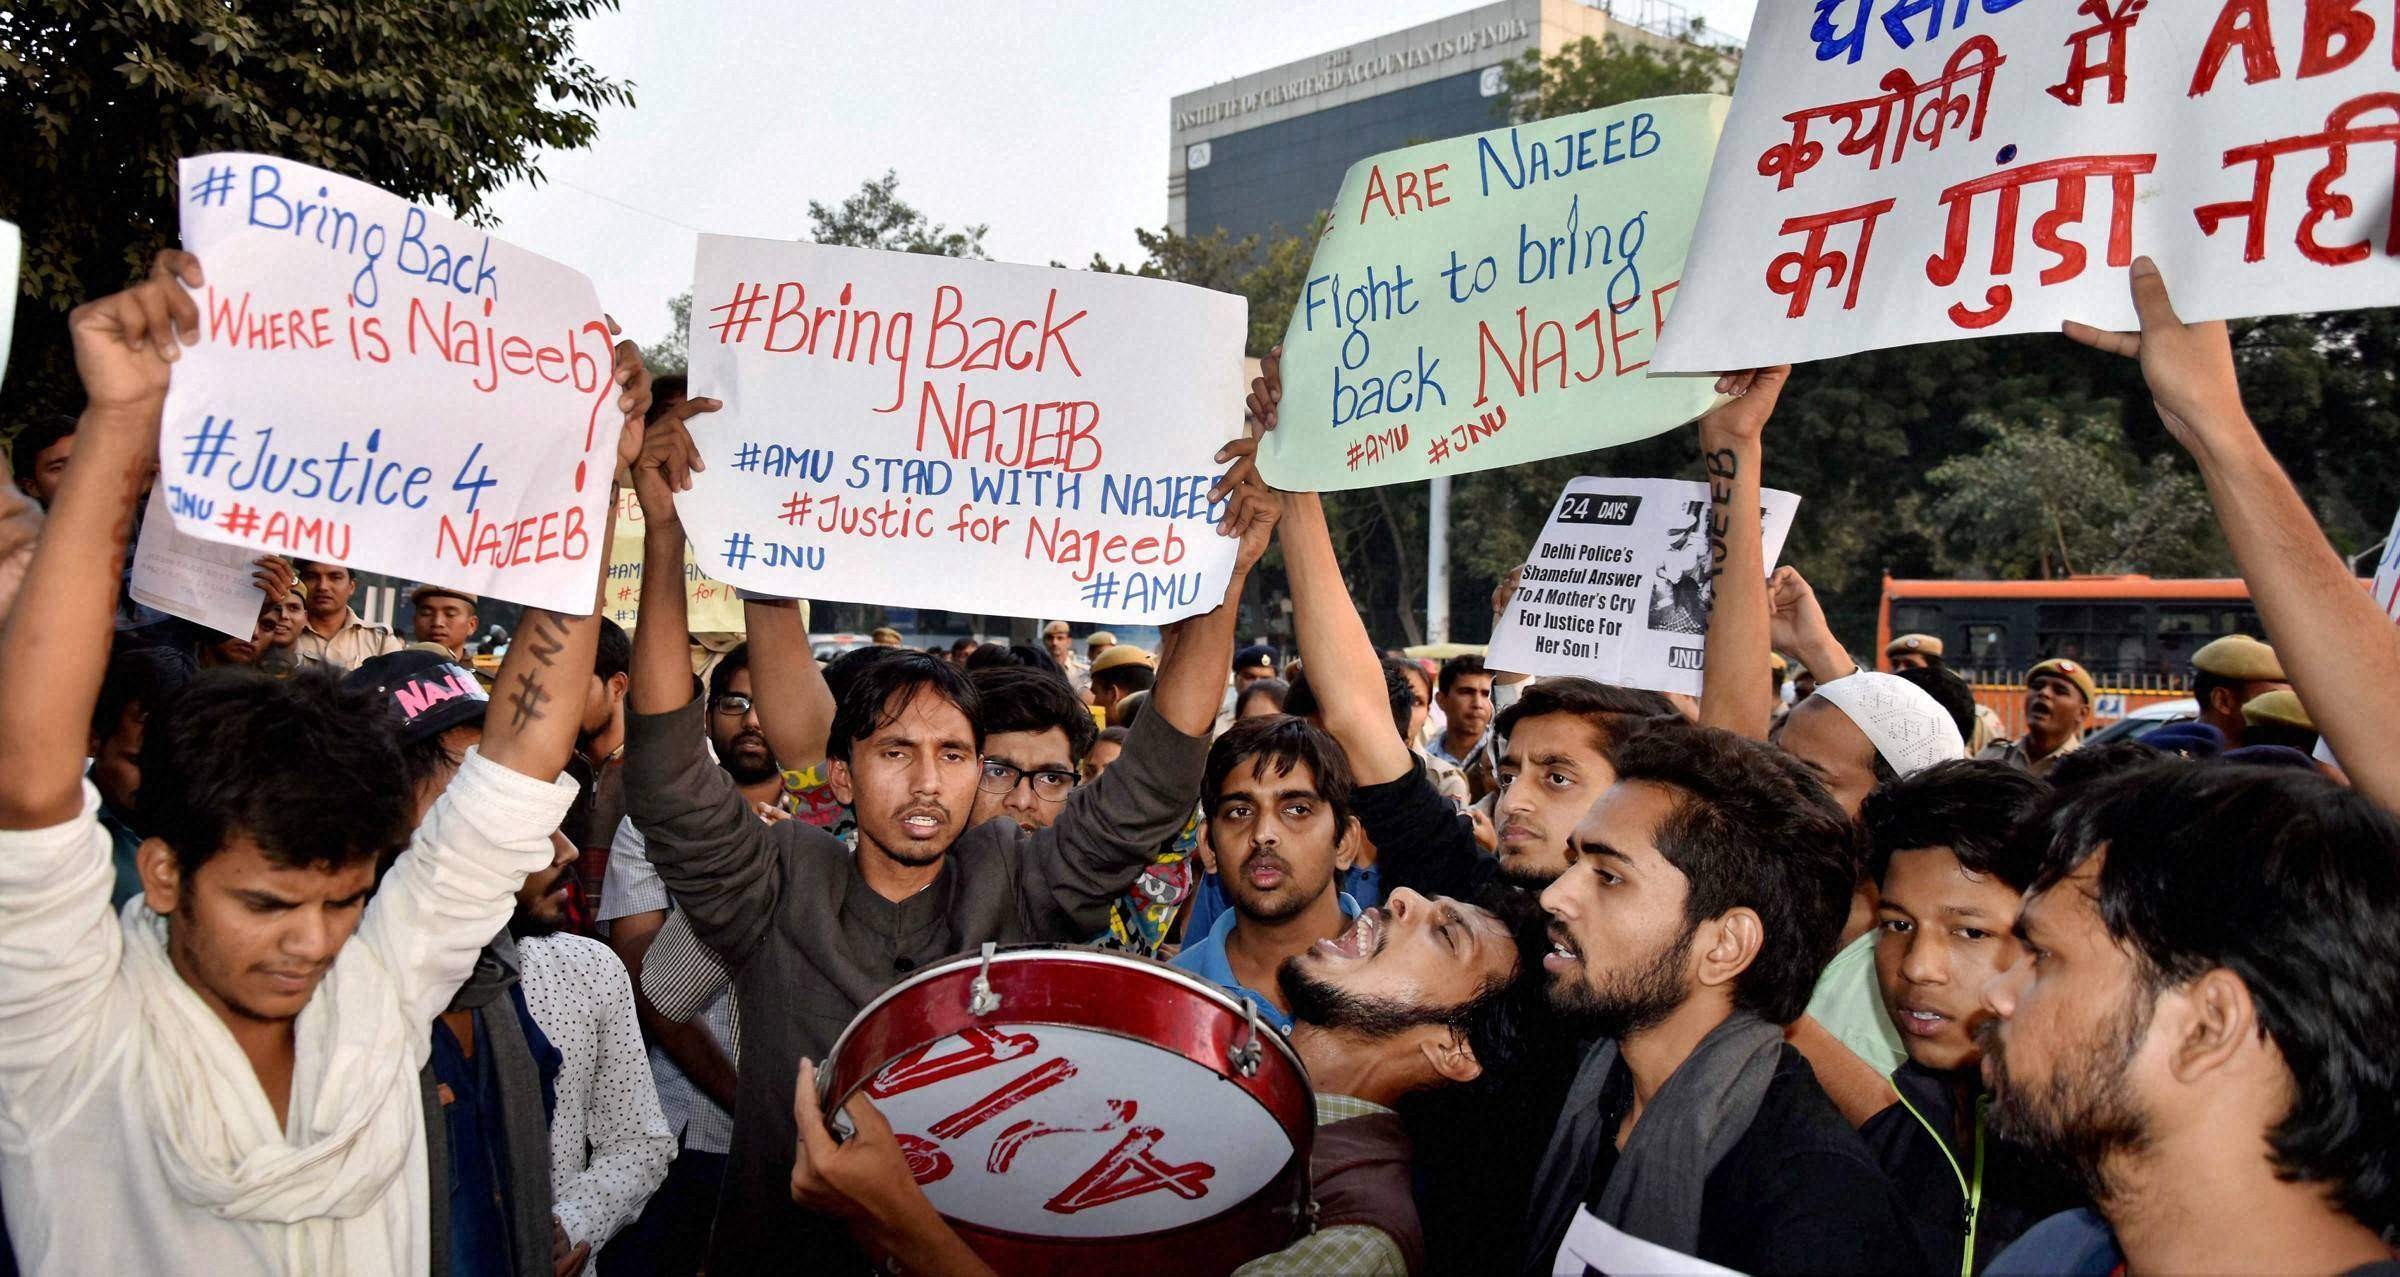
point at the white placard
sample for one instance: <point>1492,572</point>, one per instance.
<point>1904,171</point>
<point>922,431</point>
<point>204,581</point>
<point>12,260</point>
<point>2387,573</point>
<point>1617,586</point>
<point>1592,1246</point>
<point>380,386</point>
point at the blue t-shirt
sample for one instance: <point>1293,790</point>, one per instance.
<point>479,1207</point>
<point>1206,958</point>
<point>1362,883</point>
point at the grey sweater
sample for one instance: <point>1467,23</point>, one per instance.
<point>809,943</point>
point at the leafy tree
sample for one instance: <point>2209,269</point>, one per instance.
<point>440,102</point>
<point>1590,74</point>
<point>2061,493</point>
<point>877,217</point>
<point>673,352</point>
<point>1270,277</point>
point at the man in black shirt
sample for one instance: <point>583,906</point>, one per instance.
<point>1951,874</point>
<point>1708,888</point>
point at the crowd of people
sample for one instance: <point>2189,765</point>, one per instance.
<point>321,954</point>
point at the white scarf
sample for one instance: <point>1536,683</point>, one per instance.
<point>356,1109</point>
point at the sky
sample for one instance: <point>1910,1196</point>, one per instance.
<point>1045,120</point>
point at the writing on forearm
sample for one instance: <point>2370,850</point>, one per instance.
<point>549,638</point>
<point>525,704</point>
<point>1723,468</point>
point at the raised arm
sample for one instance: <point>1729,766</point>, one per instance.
<point>52,656</point>
<point>1734,691</point>
<point>662,643</point>
<point>795,707</point>
<point>1799,627</point>
<point>2341,651</point>
<point>1195,657</point>
<point>531,729</point>
<point>1344,671</point>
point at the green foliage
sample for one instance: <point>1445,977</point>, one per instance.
<point>444,103</point>
<point>1270,277</point>
<point>877,217</point>
<point>673,352</point>
<point>2056,493</point>
<point>1590,74</point>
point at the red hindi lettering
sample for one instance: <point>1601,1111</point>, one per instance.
<point>2342,131</point>
<point>1131,1170</point>
<point>2082,68</point>
<point>926,1160</point>
<point>983,1048</point>
<point>1794,274</point>
<point>2069,175</point>
<point>1897,115</point>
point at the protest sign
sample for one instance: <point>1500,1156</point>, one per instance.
<point>1896,171</point>
<point>204,581</point>
<point>12,249</point>
<point>711,606</point>
<point>2387,573</point>
<point>922,431</point>
<point>1494,299</point>
<point>380,386</point>
<point>1617,586</point>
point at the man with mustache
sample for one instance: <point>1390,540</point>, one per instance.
<point>812,932</point>
<point>1277,794</point>
<point>2207,1031</point>
<point>2058,701</point>
<point>1708,889</point>
<point>1420,996</point>
<point>1951,873</point>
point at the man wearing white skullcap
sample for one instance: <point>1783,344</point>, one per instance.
<point>1856,733</point>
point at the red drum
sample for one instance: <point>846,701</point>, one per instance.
<point>1066,1108</point>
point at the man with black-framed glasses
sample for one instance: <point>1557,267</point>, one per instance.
<point>740,743</point>
<point>1035,734</point>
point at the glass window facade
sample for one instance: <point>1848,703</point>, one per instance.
<point>1272,179</point>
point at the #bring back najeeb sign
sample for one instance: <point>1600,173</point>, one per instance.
<point>934,432</point>
<point>379,386</point>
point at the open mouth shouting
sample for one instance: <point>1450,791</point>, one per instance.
<point>1922,1022</point>
<point>924,821</point>
<point>1564,952</point>
<point>1364,939</point>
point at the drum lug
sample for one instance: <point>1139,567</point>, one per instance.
<point>1247,1054</point>
<point>981,1001</point>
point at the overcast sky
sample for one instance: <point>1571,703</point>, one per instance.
<point>1048,120</point>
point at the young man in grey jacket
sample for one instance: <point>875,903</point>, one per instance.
<point>813,933</point>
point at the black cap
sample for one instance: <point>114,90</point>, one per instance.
<point>429,693</point>
<point>1255,656</point>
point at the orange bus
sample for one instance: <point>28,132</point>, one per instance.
<point>2135,634</point>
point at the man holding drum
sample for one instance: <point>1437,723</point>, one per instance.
<point>813,933</point>
<point>1415,996</point>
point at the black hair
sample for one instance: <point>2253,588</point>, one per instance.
<point>1116,736</point>
<point>1409,673</point>
<point>845,666</point>
<point>1013,656</point>
<point>1751,827</point>
<point>301,766</point>
<point>1301,700</point>
<point>1456,667</point>
<point>1505,1019</point>
<point>1128,711</point>
<point>40,433</point>
<point>664,392</point>
<point>423,759</point>
<point>721,678</point>
<point>1021,699</point>
<point>145,676</point>
<point>1948,690</point>
<point>1274,689</point>
<point>616,651</point>
<point>2204,683</point>
<point>881,689</point>
<point>1131,677</point>
<point>2078,768</point>
<point>1614,713</point>
<point>1970,808</point>
<point>2292,883</point>
<point>1280,744</point>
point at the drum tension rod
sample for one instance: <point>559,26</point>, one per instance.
<point>981,1000</point>
<point>1245,1055</point>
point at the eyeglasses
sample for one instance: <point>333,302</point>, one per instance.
<point>733,705</point>
<point>1049,786</point>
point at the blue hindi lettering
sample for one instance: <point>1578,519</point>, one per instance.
<point>318,221</point>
